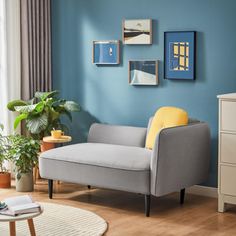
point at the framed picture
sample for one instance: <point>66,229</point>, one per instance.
<point>106,52</point>
<point>137,31</point>
<point>143,72</point>
<point>179,55</point>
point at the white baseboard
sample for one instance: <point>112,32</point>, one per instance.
<point>203,191</point>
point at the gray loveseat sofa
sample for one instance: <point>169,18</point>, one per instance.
<point>115,158</point>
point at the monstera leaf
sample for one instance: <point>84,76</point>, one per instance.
<point>37,124</point>
<point>19,119</point>
<point>43,112</point>
<point>44,95</point>
<point>71,106</point>
<point>54,114</point>
<point>25,109</point>
<point>11,105</point>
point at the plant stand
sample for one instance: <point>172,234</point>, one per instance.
<point>5,180</point>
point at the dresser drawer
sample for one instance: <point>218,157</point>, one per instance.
<point>228,148</point>
<point>227,180</point>
<point>228,115</point>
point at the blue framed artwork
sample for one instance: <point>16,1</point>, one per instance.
<point>106,52</point>
<point>179,55</point>
<point>143,72</point>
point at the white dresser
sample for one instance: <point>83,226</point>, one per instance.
<point>227,151</point>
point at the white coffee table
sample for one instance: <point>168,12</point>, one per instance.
<point>12,221</point>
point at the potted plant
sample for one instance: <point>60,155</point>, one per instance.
<point>5,176</point>
<point>23,152</point>
<point>43,113</point>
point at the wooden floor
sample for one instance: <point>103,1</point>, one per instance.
<point>124,212</point>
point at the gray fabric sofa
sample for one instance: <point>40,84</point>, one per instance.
<point>115,158</point>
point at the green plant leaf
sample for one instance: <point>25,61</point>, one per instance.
<point>39,107</point>
<point>54,114</point>
<point>72,106</point>
<point>37,124</point>
<point>43,95</point>
<point>58,102</point>
<point>44,115</point>
<point>25,109</point>
<point>11,105</point>
<point>19,119</point>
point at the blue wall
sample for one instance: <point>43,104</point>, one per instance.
<point>104,92</point>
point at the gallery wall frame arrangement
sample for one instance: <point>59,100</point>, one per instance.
<point>143,72</point>
<point>179,55</point>
<point>106,52</point>
<point>137,31</point>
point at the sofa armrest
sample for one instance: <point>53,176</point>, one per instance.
<point>180,158</point>
<point>116,134</point>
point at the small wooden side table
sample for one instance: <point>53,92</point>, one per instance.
<point>12,221</point>
<point>63,139</point>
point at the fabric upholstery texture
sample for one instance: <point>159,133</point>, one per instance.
<point>180,158</point>
<point>106,155</point>
<point>115,134</point>
<point>165,117</point>
<point>136,181</point>
<point>112,166</point>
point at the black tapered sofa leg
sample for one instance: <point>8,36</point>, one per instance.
<point>50,188</point>
<point>182,195</point>
<point>147,205</point>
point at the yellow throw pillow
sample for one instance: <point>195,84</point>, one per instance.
<point>165,117</point>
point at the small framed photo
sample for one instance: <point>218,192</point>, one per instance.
<point>106,52</point>
<point>179,55</point>
<point>137,31</point>
<point>143,72</point>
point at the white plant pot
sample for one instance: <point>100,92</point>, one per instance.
<point>25,183</point>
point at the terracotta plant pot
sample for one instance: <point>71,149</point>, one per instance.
<point>5,180</point>
<point>25,183</point>
<point>46,146</point>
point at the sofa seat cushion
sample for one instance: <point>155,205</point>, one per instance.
<point>106,155</point>
<point>101,165</point>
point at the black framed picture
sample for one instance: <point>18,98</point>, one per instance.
<point>179,55</point>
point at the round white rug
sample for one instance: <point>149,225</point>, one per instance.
<point>59,220</point>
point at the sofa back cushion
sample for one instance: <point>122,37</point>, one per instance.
<point>119,135</point>
<point>165,117</point>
